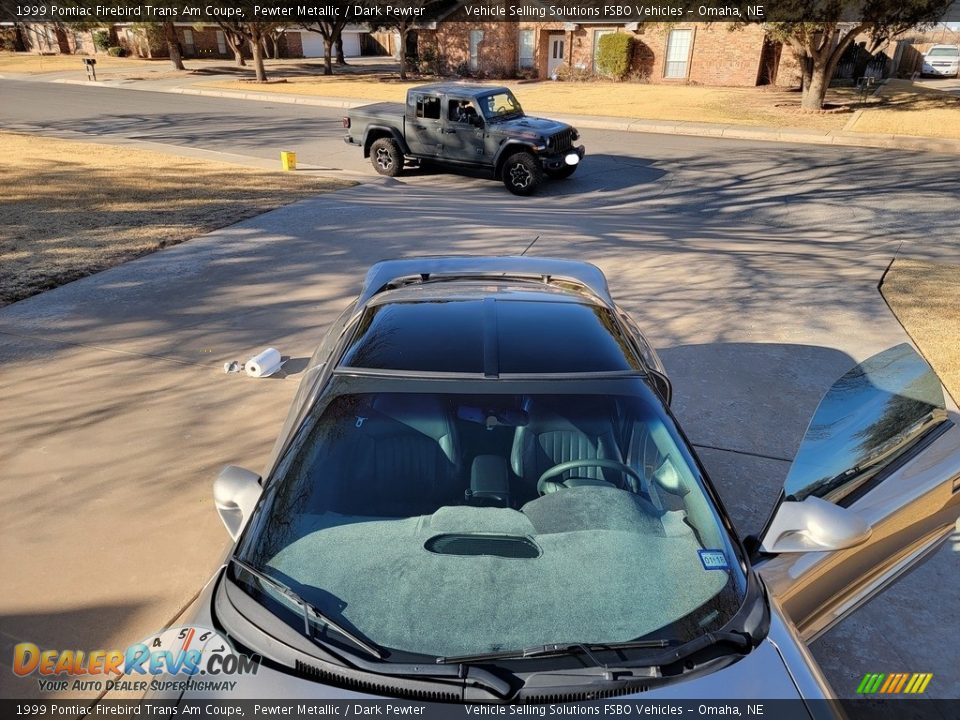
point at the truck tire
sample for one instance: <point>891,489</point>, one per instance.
<point>522,174</point>
<point>386,157</point>
<point>563,173</point>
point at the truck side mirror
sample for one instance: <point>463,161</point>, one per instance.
<point>476,121</point>
<point>235,493</point>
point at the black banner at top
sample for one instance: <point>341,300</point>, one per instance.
<point>426,12</point>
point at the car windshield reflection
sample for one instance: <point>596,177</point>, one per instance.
<point>870,417</point>
<point>446,523</point>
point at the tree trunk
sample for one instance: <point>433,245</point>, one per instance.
<point>235,44</point>
<point>173,47</point>
<point>327,55</point>
<point>338,41</point>
<point>816,90</point>
<point>403,51</point>
<point>806,73</point>
<point>257,51</point>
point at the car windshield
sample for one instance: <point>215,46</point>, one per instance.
<point>944,52</point>
<point>441,518</point>
<point>499,104</point>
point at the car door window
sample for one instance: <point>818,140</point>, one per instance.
<point>868,420</point>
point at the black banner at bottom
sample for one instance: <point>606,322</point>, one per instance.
<point>914,709</point>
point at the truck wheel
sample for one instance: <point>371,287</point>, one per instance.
<point>563,173</point>
<point>386,157</point>
<point>522,174</point>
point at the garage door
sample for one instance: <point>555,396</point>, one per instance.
<point>313,44</point>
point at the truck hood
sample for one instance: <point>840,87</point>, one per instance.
<point>529,125</point>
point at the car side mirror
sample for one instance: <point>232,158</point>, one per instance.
<point>476,121</point>
<point>813,525</point>
<point>235,493</point>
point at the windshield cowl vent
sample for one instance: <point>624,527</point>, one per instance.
<point>545,698</point>
<point>399,689</point>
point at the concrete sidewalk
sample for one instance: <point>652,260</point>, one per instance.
<point>184,86</point>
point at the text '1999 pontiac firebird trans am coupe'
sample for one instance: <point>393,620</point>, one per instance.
<point>480,495</point>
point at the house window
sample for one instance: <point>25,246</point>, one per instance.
<point>525,44</point>
<point>476,37</point>
<point>597,34</point>
<point>188,47</point>
<point>428,107</point>
<point>221,43</point>
<point>678,54</point>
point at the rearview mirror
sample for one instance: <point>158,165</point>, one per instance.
<point>813,525</point>
<point>235,493</point>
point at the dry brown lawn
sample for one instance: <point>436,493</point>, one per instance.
<point>925,297</point>
<point>901,108</point>
<point>69,209</point>
<point>909,109</point>
<point>33,63</point>
<point>738,106</point>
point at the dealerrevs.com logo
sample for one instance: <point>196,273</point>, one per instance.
<point>167,661</point>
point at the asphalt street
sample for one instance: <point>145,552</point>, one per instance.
<point>752,267</point>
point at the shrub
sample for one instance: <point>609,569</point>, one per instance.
<point>578,73</point>
<point>614,54</point>
<point>101,40</point>
<point>116,51</point>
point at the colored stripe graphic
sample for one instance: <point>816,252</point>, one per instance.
<point>894,683</point>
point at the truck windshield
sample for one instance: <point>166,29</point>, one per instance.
<point>500,104</point>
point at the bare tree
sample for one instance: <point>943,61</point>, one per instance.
<point>235,41</point>
<point>253,33</point>
<point>818,46</point>
<point>173,45</point>
<point>405,24</point>
<point>330,32</point>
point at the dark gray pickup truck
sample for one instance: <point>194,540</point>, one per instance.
<point>477,126</point>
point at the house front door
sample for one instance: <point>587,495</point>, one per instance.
<point>555,53</point>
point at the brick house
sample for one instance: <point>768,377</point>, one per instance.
<point>198,41</point>
<point>696,52</point>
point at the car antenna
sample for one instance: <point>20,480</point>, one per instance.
<point>529,246</point>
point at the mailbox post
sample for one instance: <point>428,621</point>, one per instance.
<point>91,66</point>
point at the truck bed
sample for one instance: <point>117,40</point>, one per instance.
<point>386,110</point>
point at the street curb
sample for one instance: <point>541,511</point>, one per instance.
<point>840,138</point>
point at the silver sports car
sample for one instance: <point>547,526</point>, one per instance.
<point>480,495</point>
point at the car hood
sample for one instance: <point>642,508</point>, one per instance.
<point>529,125</point>
<point>779,668</point>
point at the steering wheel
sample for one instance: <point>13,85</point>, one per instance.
<point>501,109</point>
<point>595,462</point>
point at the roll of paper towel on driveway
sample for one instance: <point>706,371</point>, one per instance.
<point>264,364</point>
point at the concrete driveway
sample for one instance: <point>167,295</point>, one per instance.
<point>949,85</point>
<point>752,267</point>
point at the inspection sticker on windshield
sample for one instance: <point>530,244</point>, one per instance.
<point>713,559</point>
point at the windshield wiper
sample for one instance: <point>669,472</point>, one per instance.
<point>307,609</point>
<point>683,650</point>
<point>555,649</point>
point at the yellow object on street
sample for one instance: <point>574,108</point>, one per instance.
<point>288,160</point>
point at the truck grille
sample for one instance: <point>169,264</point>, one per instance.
<point>563,140</point>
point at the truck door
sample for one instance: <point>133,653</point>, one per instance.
<point>425,126</point>
<point>463,130</point>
